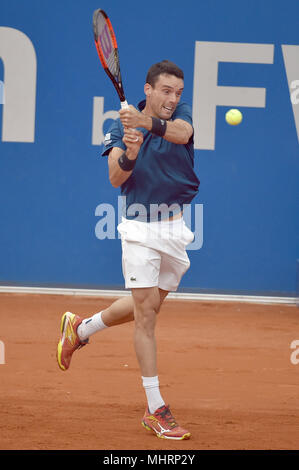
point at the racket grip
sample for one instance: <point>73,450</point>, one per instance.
<point>124,104</point>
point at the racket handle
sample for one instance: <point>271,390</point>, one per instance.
<point>124,104</point>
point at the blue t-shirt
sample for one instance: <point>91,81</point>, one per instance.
<point>163,179</point>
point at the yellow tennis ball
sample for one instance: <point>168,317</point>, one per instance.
<point>233,117</point>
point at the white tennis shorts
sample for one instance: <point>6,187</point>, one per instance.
<point>154,253</point>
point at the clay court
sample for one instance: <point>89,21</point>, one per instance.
<point>224,368</point>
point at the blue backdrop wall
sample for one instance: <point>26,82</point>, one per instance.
<point>58,211</point>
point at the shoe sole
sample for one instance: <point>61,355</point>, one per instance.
<point>162,436</point>
<point>59,346</point>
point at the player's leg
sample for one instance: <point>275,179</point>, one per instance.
<point>147,304</point>
<point>157,417</point>
<point>122,310</point>
<point>174,263</point>
<point>119,312</point>
<point>75,332</point>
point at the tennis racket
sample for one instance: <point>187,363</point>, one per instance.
<point>106,45</point>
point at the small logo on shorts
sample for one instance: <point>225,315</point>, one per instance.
<point>133,278</point>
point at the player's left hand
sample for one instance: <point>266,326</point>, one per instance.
<point>133,140</point>
<point>130,117</point>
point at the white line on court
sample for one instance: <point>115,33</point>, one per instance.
<point>173,295</point>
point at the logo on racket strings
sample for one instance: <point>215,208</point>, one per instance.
<point>105,42</point>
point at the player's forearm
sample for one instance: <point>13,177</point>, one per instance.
<point>117,176</point>
<point>176,131</point>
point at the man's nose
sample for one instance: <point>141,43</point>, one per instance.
<point>173,98</point>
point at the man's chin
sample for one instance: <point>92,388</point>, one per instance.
<point>166,115</point>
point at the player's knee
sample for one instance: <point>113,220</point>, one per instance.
<point>146,308</point>
<point>147,300</point>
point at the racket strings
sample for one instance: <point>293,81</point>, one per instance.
<point>112,64</point>
<point>104,34</point>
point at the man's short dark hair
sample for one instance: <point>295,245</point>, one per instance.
<point>167,67</point>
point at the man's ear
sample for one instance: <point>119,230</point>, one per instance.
<point>147,89</point>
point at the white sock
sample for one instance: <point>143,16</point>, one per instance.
<point>154,399</point>
<point>91,325</point>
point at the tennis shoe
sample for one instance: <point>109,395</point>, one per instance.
<point>163,424</point>
<point>69,340</point>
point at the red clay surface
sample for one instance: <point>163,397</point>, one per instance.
<point>224,368</point>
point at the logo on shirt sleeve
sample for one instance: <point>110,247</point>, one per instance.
<point>107,139</point>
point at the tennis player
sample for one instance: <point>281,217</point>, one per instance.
<point>151,157</point>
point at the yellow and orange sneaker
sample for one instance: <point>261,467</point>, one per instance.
<point>69,340</point>
<point>163,424</point>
